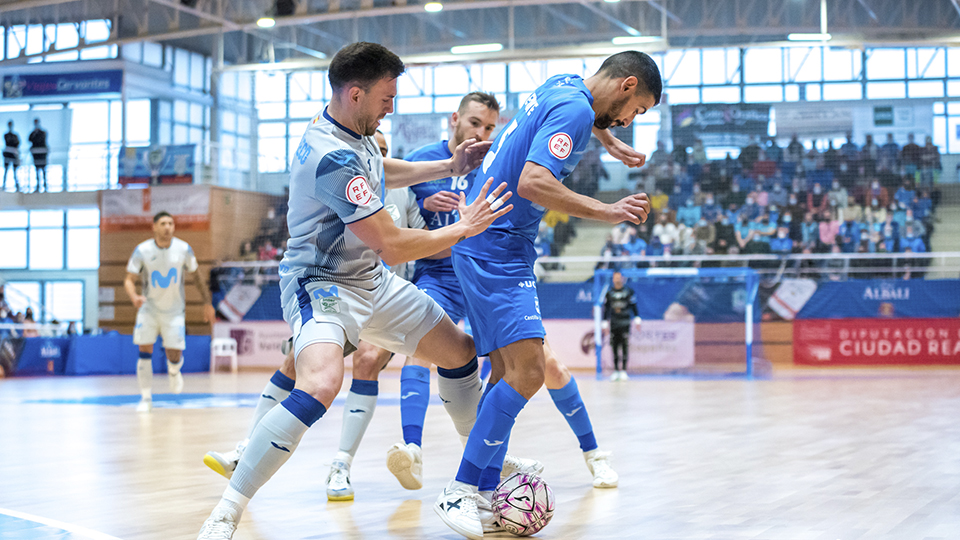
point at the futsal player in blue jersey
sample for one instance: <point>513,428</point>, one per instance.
<point>539,147</point>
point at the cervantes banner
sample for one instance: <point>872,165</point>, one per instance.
<point>820,342</point>
<point>133,209</point>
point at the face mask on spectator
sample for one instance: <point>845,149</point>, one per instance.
<point>735,188</point>
<point>749,200</point>
<point>863,236</point>
<point>689,202</point>
<point>696,189</point>
<point>793,200</point>
<point>816,189</point>
<point>875,185</point>
<point>874,202</point>
<point>787,218</point>
<point>781,234</point>
<point>702,222</point>
<point>777,187</point>
<point>709,200</point>
<point>773,208</point>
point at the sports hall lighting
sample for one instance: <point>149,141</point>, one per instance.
<point>433,7</point>
<point>611,1</point>
<point>632,40</point>
<point>481,48</point>
<point>808,37</point>
<point>266,22</point>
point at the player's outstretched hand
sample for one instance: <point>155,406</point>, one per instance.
<point>476,217</point>
<point>441,201</point>
<point>634,208</point>
<point>468,156</point>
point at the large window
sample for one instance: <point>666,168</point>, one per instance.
<point>49,300</point>
<point>50,239</point>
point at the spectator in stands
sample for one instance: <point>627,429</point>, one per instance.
<point>610,249</point>
<point>782,244</point>
<point>11,156</point>
<point>699,154</point>
<point>743,233</point>
<point>710,209</point>
<point>829,229</point>
<point>911,241</point>
<point>809,233</point>
<point>38,149</point>
<point>923,206</point>
<point>905,193</point>
<point>852,210</point>
<point>704,236</point>
<point>773,151</point>
<point>911,221</point>
<point>666,231</point>
<point>899,211</point>
<point>878,192</point>
<point>889,155</point>
<point>659,156</point>
<point>31,328</point>
<point>749,154</point>
<point>267,251</point>
<point>889,240</point>
<point>812,160</point>
<point>659,201</point>
<point>929,163</point>
<point>837,197</point>
<point>795,208</point>
<point>680,155</point>
<point>777,195</point>
<point>817,200</point>
<point>910,156</point>
<point>585,179</point>
<point>618,234</point>
<point>765,228</point>
<point>678,197</point>
<point>750,208</point>
<point>635,246</point>
<point>689,214</point>
<point>869,155</point>
<point>725,235</point>
<point>72,329</point>
<point>849,155</point>
<point>794,153</point>
<point>849,234</point>
<point>760,195</point>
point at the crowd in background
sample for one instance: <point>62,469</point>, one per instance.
<point>855,199</point>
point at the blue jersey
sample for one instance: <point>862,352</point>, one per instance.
<point>435,220</point>
<point>552,129</point>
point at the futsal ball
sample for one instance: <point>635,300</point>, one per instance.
<point>523,504</point>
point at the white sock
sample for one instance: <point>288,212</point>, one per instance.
<point>273,442</point>
<point>357,413</point>
<point>173,369</point>
<point>145,377</point>
<point>460,399</point>
<point>269,398</point>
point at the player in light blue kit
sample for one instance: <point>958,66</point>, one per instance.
<point>540,146</point>
<point>334,288</point>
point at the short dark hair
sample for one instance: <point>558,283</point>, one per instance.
<point>487,100</point>
<point>363,64</point>
<point>639,65</point>
<point>160,215</point>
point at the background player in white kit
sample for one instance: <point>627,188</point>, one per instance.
<point>334,288</point>
<point>162,264</point>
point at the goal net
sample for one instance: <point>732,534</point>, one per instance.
<point>694,321</point>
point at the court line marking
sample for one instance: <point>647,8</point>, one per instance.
<point>74,529</point>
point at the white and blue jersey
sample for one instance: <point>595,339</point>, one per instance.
<point>162,272</point>
<point>495,268</point>
<point>336,178</point>
<point>436,276</point>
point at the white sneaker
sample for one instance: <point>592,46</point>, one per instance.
<point>513,464</point>
<point>405,461</point>
<point>221,525</point>
<point>338,482</point>
<point>603,474</point>
<point>224,464</point>
<point>176,383</point>
<point>615,376</point>
<point>457,507</point>
<point>145,405</point>
<point>488,519</point>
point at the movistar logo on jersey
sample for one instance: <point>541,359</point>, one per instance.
<point>163,281</point>
<point>329,300</point>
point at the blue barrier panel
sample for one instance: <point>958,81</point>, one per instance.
<point>115,354</point>
<point>43,356</point>
<point>884,298</point>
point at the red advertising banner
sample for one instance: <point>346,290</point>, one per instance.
<point>819,342</point>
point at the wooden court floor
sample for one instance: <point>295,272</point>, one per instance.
<point>805,455</point>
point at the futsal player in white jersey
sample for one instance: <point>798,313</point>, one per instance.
<point>334,288</point>
<point>162,264</point>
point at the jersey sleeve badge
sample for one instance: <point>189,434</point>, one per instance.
<point>560,145</point>
<point>358,192</point>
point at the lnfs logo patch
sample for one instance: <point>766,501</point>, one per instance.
<point>358,192</point>
<point>560,145</point>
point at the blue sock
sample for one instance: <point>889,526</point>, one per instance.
<point>486,391</point>
<point>282,381</point>
<point>567,400</point>
<point>304,406</point>
<point>490,476</point>
<point>490,432</point>
<point>414,398</point>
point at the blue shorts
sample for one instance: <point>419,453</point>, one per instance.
<point>445,290</point>
<point>501,299</point>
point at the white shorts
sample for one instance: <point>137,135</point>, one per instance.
<point>151,324</point>
<point>395,315</point>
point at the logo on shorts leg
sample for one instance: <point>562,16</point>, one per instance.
<point>329,300</point>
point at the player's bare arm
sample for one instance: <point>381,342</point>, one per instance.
<point>537,184</point>
<point>467,157</point>
<point>396,246</point>
<point>619,149</point>
<point>209,314</point>
<point>130,285</point>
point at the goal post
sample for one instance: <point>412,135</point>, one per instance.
<point>740,285</point>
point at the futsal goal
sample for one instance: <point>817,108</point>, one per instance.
<point>695,321</point>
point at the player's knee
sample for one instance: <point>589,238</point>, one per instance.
<point>554,370</point>
<point>366,364</point>
<point>527,379</point>
<point>289,366</point>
